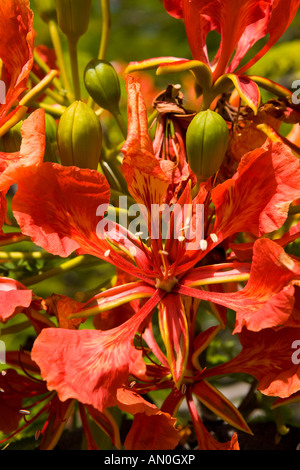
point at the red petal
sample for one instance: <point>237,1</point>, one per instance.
<point>248,203</point>
<point>174,7</point>
<point>154,432</point>
<point>268,298</point>
<point>58,208</point>
<point>174,331</point>
<point>91,365</point>
<point>13,297</point>
<point>17,35</point>
<point>146,181</point>
<point>31,153</point>
<point>283,13</point>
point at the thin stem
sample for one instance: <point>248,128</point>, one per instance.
<point>62,268</point>
<point>54,33</point>
<point>74,67</point>
<point>121,123</point>
<point>52,94</point>
<point>18,255</point>
<point>106,27</point>
<point>56,111</point>
<point>46,69</point>
<point>41,87</point>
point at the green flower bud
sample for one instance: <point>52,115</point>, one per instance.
<point>206,143</point>
<point>73,17</point>
<point>46,10</point>
<point>79,137</point>
<point>102,83</point>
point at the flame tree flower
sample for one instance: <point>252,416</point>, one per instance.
<point>241,25</point>
<point>61,217</point>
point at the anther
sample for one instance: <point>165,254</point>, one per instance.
<point>203,245</point>
<point>107,253</point>
<point>214,237</point>
<point>181,238</point>
<point>2,390</point>
<point>24,412</point>
<point>132,250</point>
<point>163,252</point>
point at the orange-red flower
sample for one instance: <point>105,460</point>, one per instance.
<point>16,54</point>
<point>61,216</point>
<point>240,24</point>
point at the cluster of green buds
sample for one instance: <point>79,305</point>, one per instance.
<point>206,143</point>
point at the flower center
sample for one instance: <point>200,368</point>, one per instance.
<point>166,284</point>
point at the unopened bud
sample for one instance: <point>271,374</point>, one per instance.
<point>206,143</point>
<point>46,10</point>
<point>79,137</point>
<point>102,83</point>
<point>73,17</point>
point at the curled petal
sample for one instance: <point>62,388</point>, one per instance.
<point>31,154</point>
<point>13,297</point>
<point>58,208</point>
<point>91,365</point>
<point>17,36</point>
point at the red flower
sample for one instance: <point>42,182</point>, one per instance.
<point>60,216</point>
<point>16,52</point>
<point>241,24</point>
<point>29,157</point>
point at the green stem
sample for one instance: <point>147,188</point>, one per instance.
<point>61,269</point>
<point>121,123</point>
<point>46,69</point>
<point>54,33</point>
<point>52,94</point>
<point>106,27</point>
<point>55,112</point>
<point>74,67</point>
<point>18,255</point>
<point>12,238</point>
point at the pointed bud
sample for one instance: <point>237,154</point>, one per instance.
<point>206,143</point>
<point>102,83</point>
<point>46,10</point>
<point>73,17</point>
<point>79,137</point>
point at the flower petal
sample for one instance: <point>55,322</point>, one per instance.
<point>57,208</point>
<point>146,181</point>
<point>91,365</point>
<point>13,297</point>
<point>246,203</point>
<point>16,51</point>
